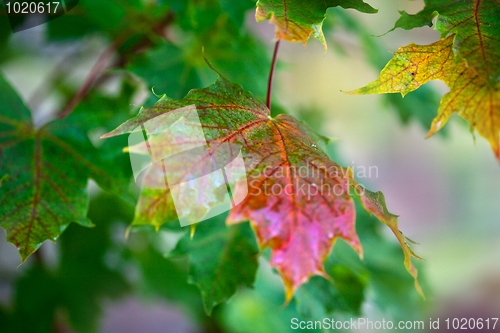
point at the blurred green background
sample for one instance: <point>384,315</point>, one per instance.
<point>444,188</point>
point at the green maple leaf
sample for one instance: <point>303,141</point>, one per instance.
<point>476,26</point>
<point>301,222</point>
<point>41,293</point>
<point>296,20</point>
<point>44,174</point>
<point>220,259</point>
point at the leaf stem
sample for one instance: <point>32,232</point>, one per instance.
<point>271,74</point>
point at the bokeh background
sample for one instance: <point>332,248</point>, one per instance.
<point>444,188</point>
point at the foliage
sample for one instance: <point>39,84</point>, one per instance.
<point>48,168</point>
<point>46,172</point>
<point>467,61</point>
<point>418,106</point>
<point>295,20</point>
<point>313,210</point>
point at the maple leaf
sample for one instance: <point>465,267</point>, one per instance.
<point>296,20</point>
<point>44,175</point>
<point>221,258</point>
<point>297,200</point>
<point>471,95</point>
<point>476,27</point>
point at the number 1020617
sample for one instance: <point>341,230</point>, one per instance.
<point>471,323</point>
<point>15,7</point>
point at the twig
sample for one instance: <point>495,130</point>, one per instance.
<point>104,58</point>
<point>94,73</point>
<point>271,74</point>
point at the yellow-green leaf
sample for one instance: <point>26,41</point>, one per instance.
<point>476,26</point>
<point>471,95</point>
